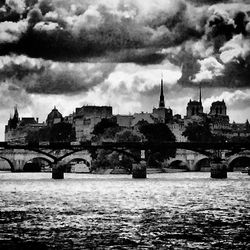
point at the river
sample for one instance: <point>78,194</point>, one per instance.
<point>164,211</point>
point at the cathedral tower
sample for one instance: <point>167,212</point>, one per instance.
<point>195,108</point>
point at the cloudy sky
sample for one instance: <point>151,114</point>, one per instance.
<point>70,53</point>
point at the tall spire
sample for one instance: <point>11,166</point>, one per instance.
<point>200,93</point>
<point>162,102</point>
<point>16,112</point>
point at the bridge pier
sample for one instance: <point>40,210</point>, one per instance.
<point>18,165</point>
<point>57,171</point>
<point>218,170</point>
<point>191,165</point>
<point>139,171</point>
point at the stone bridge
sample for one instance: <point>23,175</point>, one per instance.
<point>17,158</point>
<point>192,156</point>
<point>194,161</point>
<point>189,160</point>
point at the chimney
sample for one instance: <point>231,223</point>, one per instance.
<point>37,119</point>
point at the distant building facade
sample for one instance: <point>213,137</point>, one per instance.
<point>85,119</point>
<point>17,130</point>
<point>124,121</point>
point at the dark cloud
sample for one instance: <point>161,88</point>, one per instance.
<point>65,35</point>
<point>223,59</point>
<point>138,56</point>
<point>44,77</point>
<point>188,34</point>
<point>236,74</point>
<point>208,2</point>
<point>213,2</point>
<point>73,31</point>
<point>67,81</point>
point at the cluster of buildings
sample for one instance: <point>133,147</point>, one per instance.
<point>84,119</point>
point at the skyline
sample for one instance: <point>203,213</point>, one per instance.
<point>69,54</point>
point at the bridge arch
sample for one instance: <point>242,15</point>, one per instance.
<point>35,164</point>
<point>129,154</point>
<point>178,164</point>
<point>238,162</point>
<point>68,165</point>
<point>9,162</point>
<point>87,156</point>
<point>83,155</point>
<point>86,162</point>
<point>201,162</point>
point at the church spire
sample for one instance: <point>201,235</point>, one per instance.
<point>162,102</point>
<point>16,112</point>
<point>200,93</point>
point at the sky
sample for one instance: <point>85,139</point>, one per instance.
<point>70,53</point>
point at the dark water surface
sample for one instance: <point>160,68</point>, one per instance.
<point>165,211</point>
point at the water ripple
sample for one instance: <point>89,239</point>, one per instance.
<point>165,211</point>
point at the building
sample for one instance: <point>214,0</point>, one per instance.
<point>54,117</point>
<point>124,121</point>
<point>143,117</point>
<point>85,119</point>
<point>219,119</point>
<point>194,108</point>
<point>218,109</point>
<point>18,129</point>
<point>165,115</point>
<point>239,130</point>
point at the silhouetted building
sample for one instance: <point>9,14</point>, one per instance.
<point>219,119</point>
<point>218,109</point>
<point>194,108</point>
<point>164,115</point>
<point>18,129</point>
<point>13,121</point>
<point>54,117</point>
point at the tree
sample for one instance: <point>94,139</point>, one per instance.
<point>103,125</point>
<point>157,133</point>
<point>128,136</point>
<point>62,132</point>
<point>101,160</point>
<point>32,137</point>
<point>198,132</point>
<point>240,139</point>
<point>44,134</point>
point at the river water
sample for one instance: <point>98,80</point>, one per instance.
<point>164,211</point>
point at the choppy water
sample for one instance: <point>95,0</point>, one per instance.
<point>165,211</point>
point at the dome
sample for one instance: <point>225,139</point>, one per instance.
<point>54,114</point>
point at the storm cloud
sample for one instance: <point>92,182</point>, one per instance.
<point>38,76</point>
<point>68,48</point>
<point>221,57</point>
<point>69,32</point>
